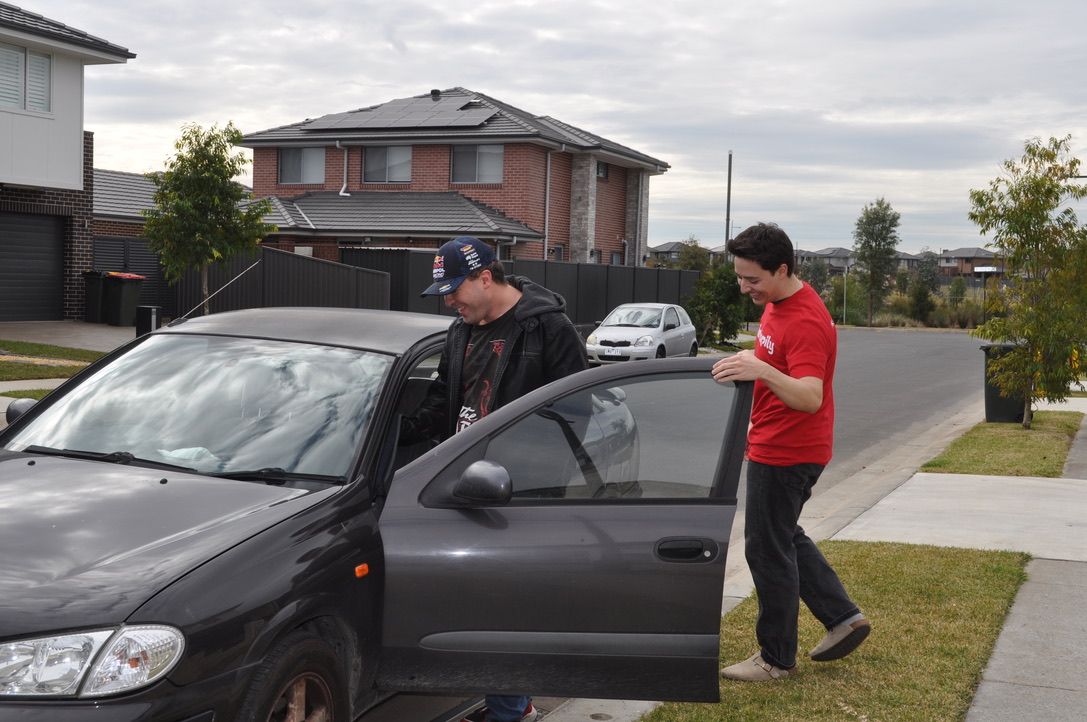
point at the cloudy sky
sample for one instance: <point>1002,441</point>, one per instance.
<point>825,105</point>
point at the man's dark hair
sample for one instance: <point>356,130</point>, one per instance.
<point>765,244</point>
<point>498,272</point>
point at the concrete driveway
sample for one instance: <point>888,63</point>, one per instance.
<point>74,334</point>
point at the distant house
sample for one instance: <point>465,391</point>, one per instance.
<point>415,171</point>
<point>964,261</point>
<point>665,252</point>
<point>46,181</point>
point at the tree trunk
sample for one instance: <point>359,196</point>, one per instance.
<point>204,288</point>
<point>1028,414</point>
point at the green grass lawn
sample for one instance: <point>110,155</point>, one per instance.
<point>1011,450</point>
<point>21,370</point>
<point>36,394</point>
<point>936,613</point>
<point>18,371</point>
<point>43,350</point>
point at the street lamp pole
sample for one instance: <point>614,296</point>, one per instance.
<point>728,201</point>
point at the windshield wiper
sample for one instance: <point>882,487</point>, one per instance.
<point>111,457</point>
<point>275,475</point>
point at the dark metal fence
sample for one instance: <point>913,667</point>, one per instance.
<point>131,254</point>
<point>590,289</point>
<point>284,279</point>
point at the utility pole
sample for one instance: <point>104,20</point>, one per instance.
<point>728,202</point>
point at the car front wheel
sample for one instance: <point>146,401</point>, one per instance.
<point>660,352</point>
<point>301,680</point>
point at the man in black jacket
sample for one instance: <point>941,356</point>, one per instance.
<point>511,336</point>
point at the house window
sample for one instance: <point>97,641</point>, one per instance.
<point>390,164</point>
<point>25,79</point>
<point>601,170</point>
<point>302,165</point>
<point>616,258</point>
<point>555,253</point>
<point>477,163</point>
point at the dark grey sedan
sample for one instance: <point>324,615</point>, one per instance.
<point>219,522</point>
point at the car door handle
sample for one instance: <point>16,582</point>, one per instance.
<point>686,550</point>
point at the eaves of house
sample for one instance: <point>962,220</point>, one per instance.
<point>418,214</point>
<point>36,26</point>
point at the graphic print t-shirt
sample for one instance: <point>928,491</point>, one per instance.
<point>485,346</point>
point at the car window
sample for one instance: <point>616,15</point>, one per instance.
<point>634,316</point>
<point>219,404</point>
<point>643,439</point>
<point>670,316</point>
<point>683,316</point>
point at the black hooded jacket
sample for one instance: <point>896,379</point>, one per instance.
<point>544,347</point>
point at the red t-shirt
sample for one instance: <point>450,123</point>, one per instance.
<point>797,337</point>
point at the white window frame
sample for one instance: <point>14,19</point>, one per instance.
<point>26,79</point>
<point>374,173</point>
<point>601,170</point>
<point>311,166</point>
<point>493,155</point>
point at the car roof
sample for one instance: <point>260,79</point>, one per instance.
<point>385,331</point>
<point>647,304</point>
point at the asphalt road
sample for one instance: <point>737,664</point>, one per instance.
<point>889,380</point>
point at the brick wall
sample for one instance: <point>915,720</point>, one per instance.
<point>76,206</point>
<point>116,228</point>
<point>611,212</point>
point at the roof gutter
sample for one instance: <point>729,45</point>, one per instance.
<point>343,189</point>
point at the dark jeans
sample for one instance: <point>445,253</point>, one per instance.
<point>785,564</point>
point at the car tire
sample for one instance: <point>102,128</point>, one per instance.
<point>301,673</point>
<point>694,349</point>
<point>660,352</point>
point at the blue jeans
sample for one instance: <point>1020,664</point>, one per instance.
<point>785,564</point>
<point>502,708</point>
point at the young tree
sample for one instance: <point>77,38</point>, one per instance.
<point>816,273</point>
<point>716,307</point>
<point>693,256</point>
<point>921,303</point>
<point>928,270</point>
<point>1044,249</point>
<point>874,239</point>
<point>199,216</point>
<point>956,292</point>
<point>902,282</point>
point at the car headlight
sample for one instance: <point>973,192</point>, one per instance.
<point>89,664</point>
<point>644,341</point>
<point>591,340</point>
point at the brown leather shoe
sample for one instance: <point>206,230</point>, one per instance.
<point>755,669</point>
<point>841,640</point>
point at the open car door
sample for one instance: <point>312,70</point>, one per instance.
<point>572,543</point>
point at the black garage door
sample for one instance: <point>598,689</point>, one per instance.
<point>31,267</point>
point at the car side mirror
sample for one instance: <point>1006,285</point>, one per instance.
<point>669,326</point>
<point>17,408</point>
<point>484,483</point>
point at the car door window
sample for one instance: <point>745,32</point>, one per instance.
<point>671,318</point>
<point>637,440</point>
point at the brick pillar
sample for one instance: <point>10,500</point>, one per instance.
<point>79,236</point>
<point>582,206</point>
<point>637,216</point>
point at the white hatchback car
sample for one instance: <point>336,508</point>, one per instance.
<point>642,331</point>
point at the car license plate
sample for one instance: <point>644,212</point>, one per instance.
<point>612,352</point>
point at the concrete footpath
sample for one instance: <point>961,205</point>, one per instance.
<point>1038,669</point>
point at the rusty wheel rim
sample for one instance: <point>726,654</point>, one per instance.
<point>305,698</point>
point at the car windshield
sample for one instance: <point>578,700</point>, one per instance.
<point>220,405</point>
<point>634,316</point>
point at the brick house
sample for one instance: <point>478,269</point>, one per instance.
<point>46,161</point>
<point>415,171</point>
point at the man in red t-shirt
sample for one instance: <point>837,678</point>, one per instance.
<point>788,444</point>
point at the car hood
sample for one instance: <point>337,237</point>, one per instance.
<point>85,543</point>
<point>623,333</point>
